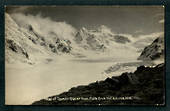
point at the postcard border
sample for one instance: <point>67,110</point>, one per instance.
<point>84,2</point>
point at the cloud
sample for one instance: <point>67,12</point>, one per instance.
<point>144,40</point>
<point>161,21</point>
<point>45,26</point>
<point>139,31</point>
<point>152,35</point>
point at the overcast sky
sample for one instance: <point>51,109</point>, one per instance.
<point>133,20</point>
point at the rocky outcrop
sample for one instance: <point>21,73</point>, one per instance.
<point>154,51</point>
<point>10,44</point>
<point>121,39</point>
<point>144,86</point>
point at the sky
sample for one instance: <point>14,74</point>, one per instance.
<point>134,20</point>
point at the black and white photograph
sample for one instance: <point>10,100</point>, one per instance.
<point>84,55</point>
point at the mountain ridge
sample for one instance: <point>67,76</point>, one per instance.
<point>153,51</point>
<point>144,86</point>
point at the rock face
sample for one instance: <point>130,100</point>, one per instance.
<point>144,86</point>
<point>121,39</point>
<point>153,51</point>
<point>16,48</point>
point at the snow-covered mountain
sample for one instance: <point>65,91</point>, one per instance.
<point>29,38</point>
<point>17,43</point>
<point>99,39</point>
<point>27,45</point>
<point>153,51</point>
